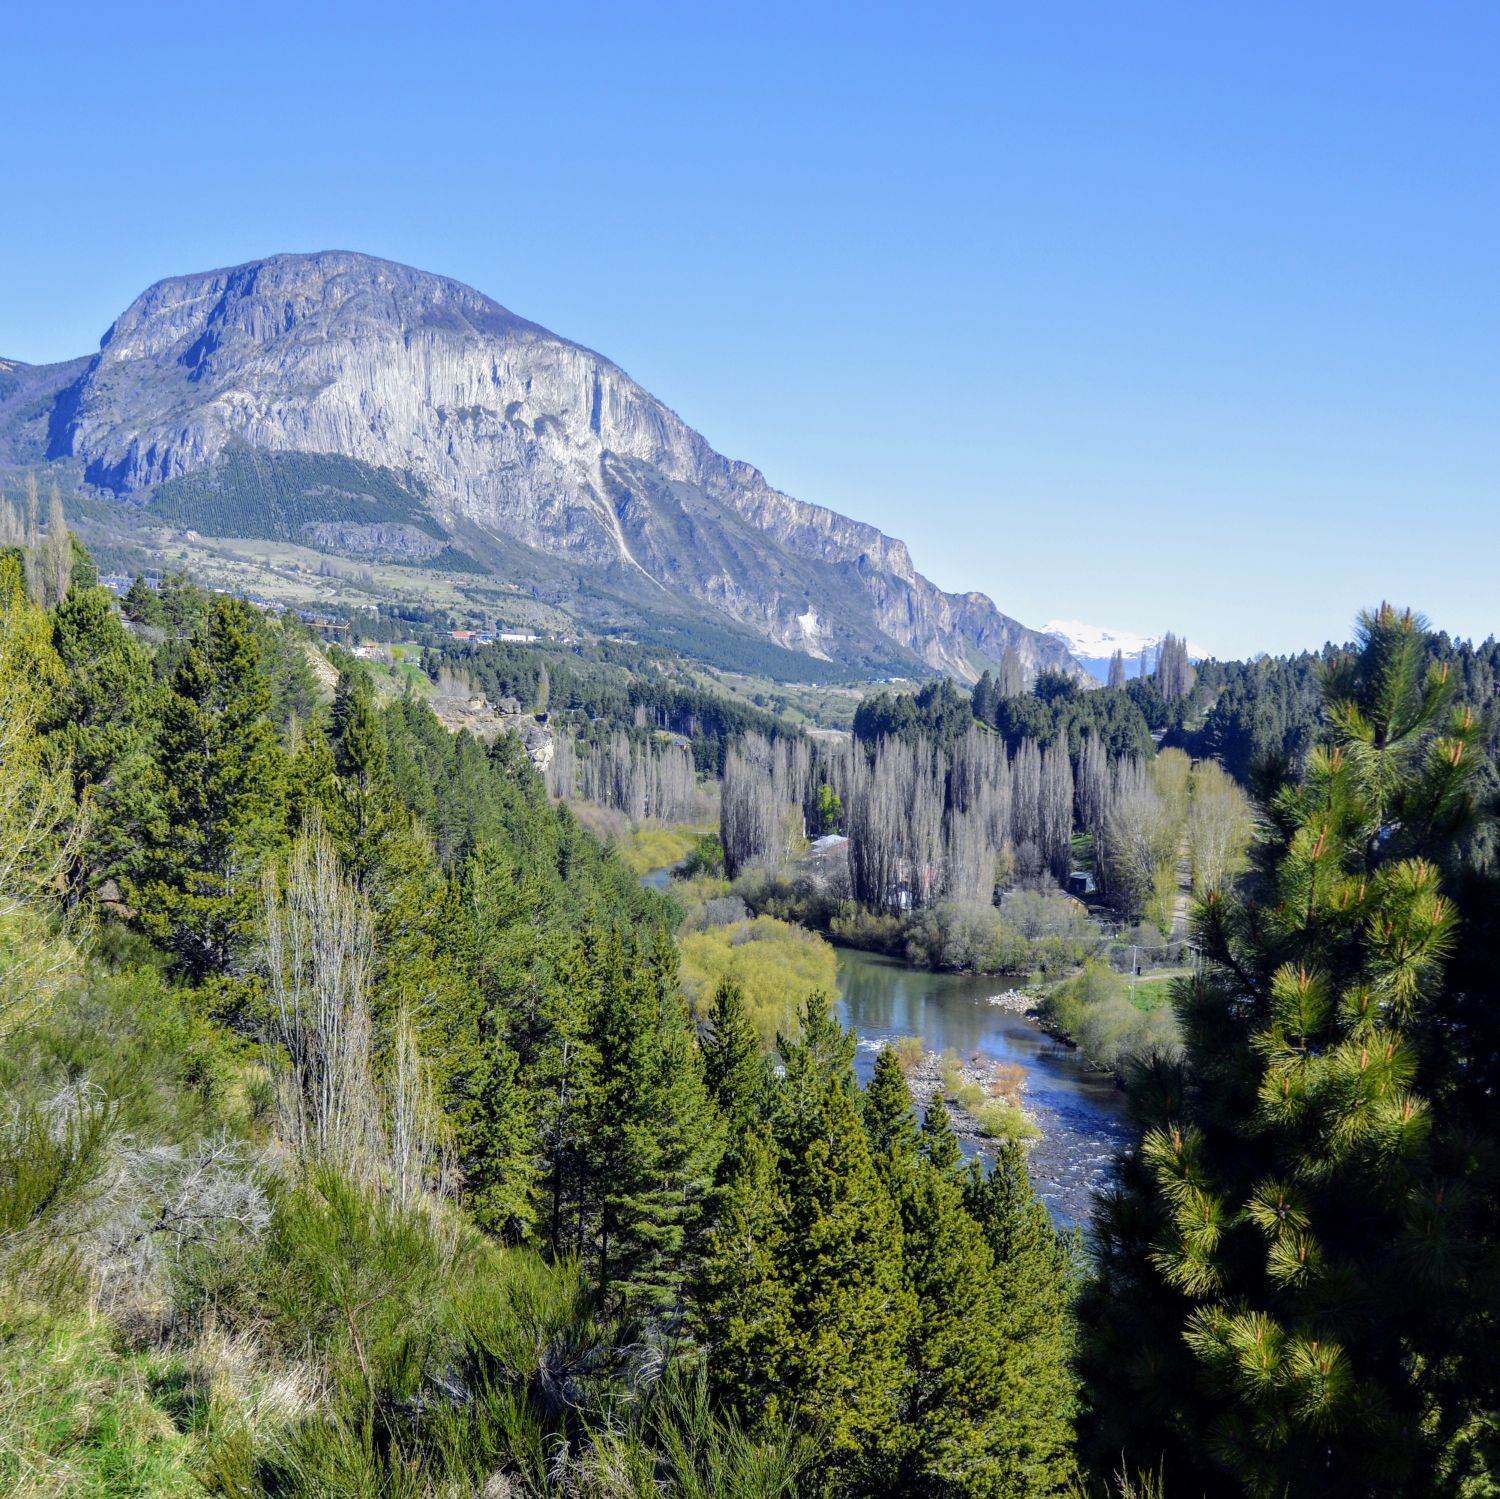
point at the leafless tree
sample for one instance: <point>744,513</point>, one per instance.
<point>1174,672</point>
<point>1140,836</point>
<point>1010,681</point>
<point>641,778</point>
<point>319,953</point>
<point>334,1108</point>
<point>1026,795</point>
<point>762,801</point>
<point>56,568</point>
<point>1091,789</point>
<point>1056,809</point>
<point>33,562</point>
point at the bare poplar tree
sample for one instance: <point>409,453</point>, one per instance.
<point>319,950</point>
<point>1011,681</point>
<point>1117,670</point>
<point>1091,793</point>
<point>562,769</point>
<point>1140,837</point>
<point>33,540</point>
<point>1174,672</point>
<point>57,557</point>
<point>1056,809</point>
<point>1026,795</point>
<point>642,779</point>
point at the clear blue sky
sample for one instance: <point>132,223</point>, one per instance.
<point>1157,316</point>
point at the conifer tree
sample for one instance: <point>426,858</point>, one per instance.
<point>818,1262</point>
<point>1035,1273</point>
<point>953,1393</point>
<point>649,1132</point>
<point>100,723</point>
<point>222,810</point>
<point>986,698</point>
<point>141,604</point>
<point>890,1124</point>
<point>495,1137</point>
<point>731,1056</point>
<point>742,1294</point>
<point>940,1146</point>
<point>1287,1255</point>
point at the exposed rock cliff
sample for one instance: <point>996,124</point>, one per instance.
<point>503,429</point>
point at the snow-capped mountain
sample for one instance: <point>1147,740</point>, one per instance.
<point>1092,646</point>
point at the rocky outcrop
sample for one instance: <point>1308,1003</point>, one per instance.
<point>388,541</point>
<point>506,429</point>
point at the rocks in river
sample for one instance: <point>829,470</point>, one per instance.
<point>1017,1001</point>
<point>968,1088</point>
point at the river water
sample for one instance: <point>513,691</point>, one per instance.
<point>1079,1112</point>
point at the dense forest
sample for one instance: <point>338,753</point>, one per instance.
<point>360,1135</point>
<point>359,1138</point>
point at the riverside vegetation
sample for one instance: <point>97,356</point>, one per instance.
<point>359,1137</point>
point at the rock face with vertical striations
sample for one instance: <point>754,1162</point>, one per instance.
<point>502,433</point>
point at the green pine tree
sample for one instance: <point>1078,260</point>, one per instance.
<point>222,809</point>
<point>731,1055</point>
<point>801,1296</point>
<point>648,1127</point>
<point>496,1142</point>
<point>1035,1276</point>
<point>100,723</point>
<point>1290,1252</point>
<point>890,1123</point>
<point>141,604</point>
<point>939,1139</point>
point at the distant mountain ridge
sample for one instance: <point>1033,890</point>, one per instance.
<point>1092,646</point>
<point>533,454</point>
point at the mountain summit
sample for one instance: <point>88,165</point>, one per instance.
<point>529,452</point>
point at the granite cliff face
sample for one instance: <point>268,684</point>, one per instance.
<point>505,430</point>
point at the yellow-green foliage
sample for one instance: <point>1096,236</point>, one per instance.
<point>654,845</point>
<point>998,1116</point>
<point>1095,1009</point>
<point>777,965</point>
<point>909,1052</point>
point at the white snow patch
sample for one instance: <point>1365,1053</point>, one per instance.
<point>1099,642</point>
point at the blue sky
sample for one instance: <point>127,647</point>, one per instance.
<point>1155,316</point>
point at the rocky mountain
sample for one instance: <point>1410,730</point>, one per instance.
<point>221,399</point>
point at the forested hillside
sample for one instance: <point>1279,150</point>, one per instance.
<point>359,1139</point>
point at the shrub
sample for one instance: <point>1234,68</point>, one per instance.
<point>1094,1008</point>
<point>776,965</point>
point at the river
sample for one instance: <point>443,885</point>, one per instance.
<point>1079,1112</point>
